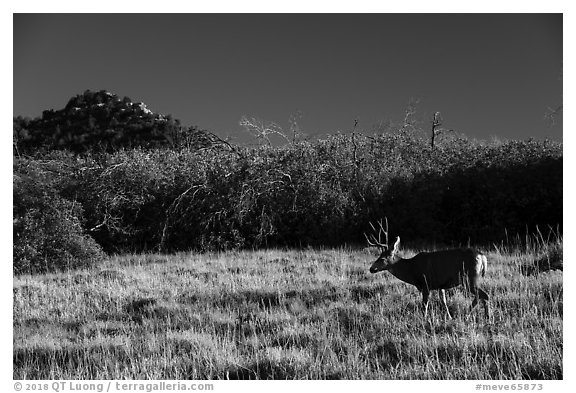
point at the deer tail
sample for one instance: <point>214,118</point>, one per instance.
<point>484,264</point>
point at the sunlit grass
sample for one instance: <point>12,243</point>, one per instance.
<point>282,314</point>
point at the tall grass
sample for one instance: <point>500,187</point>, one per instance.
<point>537,252</point>
<point>281,314</point>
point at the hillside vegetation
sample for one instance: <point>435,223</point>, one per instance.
<point>107,173</point>
<point>102,122</point>
<point>308,193</point>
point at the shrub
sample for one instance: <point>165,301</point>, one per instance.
<point>307,193</point>
<point>317,194</point>
<point>47,228</point>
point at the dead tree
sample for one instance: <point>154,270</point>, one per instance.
<point>436,122</point>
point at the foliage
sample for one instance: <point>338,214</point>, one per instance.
<point>48,232</point>
<point>143,182</point>
<point>317,193</point>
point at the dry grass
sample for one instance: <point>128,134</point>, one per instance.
<point>310,314</point>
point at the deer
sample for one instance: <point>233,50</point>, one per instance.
<point>427,271</point>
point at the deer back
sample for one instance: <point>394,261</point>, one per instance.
<point>440,269</point>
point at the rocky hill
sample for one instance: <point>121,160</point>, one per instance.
<point>101,121</point>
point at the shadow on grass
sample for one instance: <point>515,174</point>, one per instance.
<point>265,299</point>
<point>268,369</point>
<point>362,292</point>
<point>318,296</point>
<point>68,363</point>
<point>353,321</point>
<point>384,355</point>
<point>299,340</point>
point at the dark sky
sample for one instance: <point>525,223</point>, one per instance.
<point>488,74</point>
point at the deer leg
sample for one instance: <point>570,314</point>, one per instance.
<point>425,297</point>
<point>475,301</point>
<point>484,297</point>
<point>443,297</point>
<point>474,290</point>
<point>479,294</point>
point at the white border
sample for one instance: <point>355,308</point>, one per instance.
<point>357,6</point>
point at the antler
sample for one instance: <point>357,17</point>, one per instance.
<point>372,239</point>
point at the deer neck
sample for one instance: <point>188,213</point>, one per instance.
<point>400,269</point>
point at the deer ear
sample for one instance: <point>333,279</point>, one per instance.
<point>397,243</point>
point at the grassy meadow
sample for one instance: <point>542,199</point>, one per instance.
<point>281,314</point>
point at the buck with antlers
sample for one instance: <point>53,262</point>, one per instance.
<point>427,271</point>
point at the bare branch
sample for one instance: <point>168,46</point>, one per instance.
<point>295,128</point>
<point>410,112</point>
<point>552,114</point>
<point>172,208</point>
<point>261,129</point>
<point>436,122</point>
